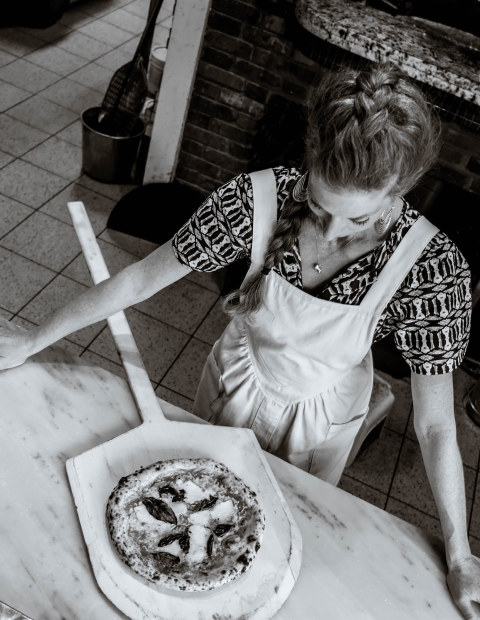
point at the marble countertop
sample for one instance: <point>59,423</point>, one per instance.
<point>422,52</point>
<point>359,562</point>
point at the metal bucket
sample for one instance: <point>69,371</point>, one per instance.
<point>107,158</point>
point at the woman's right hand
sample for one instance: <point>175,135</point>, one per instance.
<point>15,345</point>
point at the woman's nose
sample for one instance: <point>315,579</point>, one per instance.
<point>333,227</point>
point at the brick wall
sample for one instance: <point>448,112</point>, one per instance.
<point>248,64</point>
<point>459,161</point>
<point>248,97</point>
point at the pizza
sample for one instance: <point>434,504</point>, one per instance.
<point>186,524</point>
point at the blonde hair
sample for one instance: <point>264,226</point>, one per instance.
<point>365,129</point>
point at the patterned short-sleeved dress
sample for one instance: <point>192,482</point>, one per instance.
<point>430,313</point>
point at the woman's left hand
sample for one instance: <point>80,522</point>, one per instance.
<point>463,580</point>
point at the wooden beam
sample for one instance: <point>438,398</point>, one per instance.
<point>185,45</point>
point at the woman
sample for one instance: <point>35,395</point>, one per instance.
<point>337,261</point>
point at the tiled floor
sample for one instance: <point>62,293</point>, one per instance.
<point>47,77</point>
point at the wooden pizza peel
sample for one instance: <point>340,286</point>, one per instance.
<point>260,592</point>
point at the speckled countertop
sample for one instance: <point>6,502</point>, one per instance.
<point>444,60</point>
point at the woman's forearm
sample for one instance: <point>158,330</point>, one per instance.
<point>132,285</point>
<point>435,426</point>
<point>444,468</point>
<point>95,304</point>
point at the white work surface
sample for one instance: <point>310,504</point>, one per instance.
<point>359,562</point>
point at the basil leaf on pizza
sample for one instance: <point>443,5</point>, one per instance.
<point>186,524</point>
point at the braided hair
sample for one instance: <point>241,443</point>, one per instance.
<point>366,130</point>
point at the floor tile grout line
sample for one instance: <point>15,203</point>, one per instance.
<point>35,65</point>
<point>30,125</point>
<point>414,508</point>
<point>2,308</point>
<point>2,81</point>
<point>17,314</point>
<point>364,483</point>
<point>175,392</point>
<point>48,199</point>
<point>36,211</point>
<point>65,77</point>
<point>115,26</point>
<point>51,44</point>
<point>394,498</point>
<point>61,77</point>
<point>98,40</point>
<point>182,350</point>
<point>78,345</point>
<point>16,226</point>
<point>26,30</point>
<point>35,146</point>
<point>398,456</point>
<point>95,337</point>
<point>43,169</point>
<point>27,258</point>
<point>46,169</point>
<point>470,518</point>
<point>54,44</point>
<point>176,359</point>
<point>33,37</point>
<point>16,104</point>
<point>107,359</point>
<point>66,127</point>
<point>107,13</point>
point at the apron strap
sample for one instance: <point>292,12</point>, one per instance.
<point>399,265</point>
<point>264,216</point>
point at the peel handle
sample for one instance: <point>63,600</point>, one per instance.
<point>142,390</point>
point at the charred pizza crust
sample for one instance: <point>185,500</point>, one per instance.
<point>186,524</point>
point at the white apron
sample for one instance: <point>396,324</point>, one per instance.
<point>302,376</point>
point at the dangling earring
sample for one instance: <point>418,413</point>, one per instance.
<point>383,223</point>
<point>299,192</point>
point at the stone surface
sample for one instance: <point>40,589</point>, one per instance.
<point>377,36</point>
<point>358,561</point>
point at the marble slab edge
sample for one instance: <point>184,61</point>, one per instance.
<point>319,22</point>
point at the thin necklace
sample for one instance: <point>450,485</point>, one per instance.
<point>316,266</point>
<point>385,222</point>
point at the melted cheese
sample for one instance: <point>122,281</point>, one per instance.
<point>152,529</point>
<point>200,518</point>
<point>144,516</point>
<point>173,548</point>
<point>199,536</point>
<point>193,493</point>
<point>179,508</point>
<point>222,512</point>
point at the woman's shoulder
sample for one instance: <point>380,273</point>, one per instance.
<point>284,176</point>
<point>440,271</point>
<point>239,191</point>
<point>440,249</point>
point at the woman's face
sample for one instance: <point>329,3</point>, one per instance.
<point>346,213</point>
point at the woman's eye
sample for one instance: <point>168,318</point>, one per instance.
<point>314,206</point>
